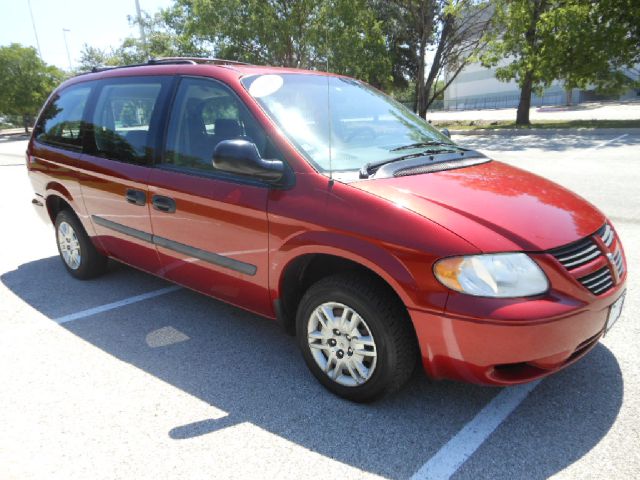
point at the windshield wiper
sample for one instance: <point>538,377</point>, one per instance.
<point>433,143</point>
<point>370,167</point>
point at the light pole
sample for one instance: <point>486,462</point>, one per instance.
<point>142,35</point>
<point>66,45</point>
<point>35,32</point>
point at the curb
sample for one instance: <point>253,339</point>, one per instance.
<point>547,131</point>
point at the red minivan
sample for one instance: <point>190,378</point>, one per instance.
<point>318,201</point>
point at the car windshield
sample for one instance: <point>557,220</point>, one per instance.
<point>341,124</point>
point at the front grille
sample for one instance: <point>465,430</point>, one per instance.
<point>598,282</point>
<point>618,262</point>
<point>587,250</point>
<point>577,254</point>
<point>606,233</point>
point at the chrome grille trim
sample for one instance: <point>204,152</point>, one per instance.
<point>599,281</point>
<point>576,254</point>
<point>585,251</point>
<point>582,260</point>
<point>564,259</point>
<point>618,262</point>
<point>602,289</point>
<point>606,234</point>
<point>594,280</point>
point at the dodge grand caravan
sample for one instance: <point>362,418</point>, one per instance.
<point>316,200</point>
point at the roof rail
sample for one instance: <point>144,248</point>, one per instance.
<point>195,60</point>
<point>174,61</point>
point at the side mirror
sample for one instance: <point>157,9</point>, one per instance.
<point>446,132</point>
<point>242,158</point>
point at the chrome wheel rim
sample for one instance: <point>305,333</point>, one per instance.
<point>69,245</point>
<point>341,344</point>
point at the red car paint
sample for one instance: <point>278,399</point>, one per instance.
<point>396,227</point>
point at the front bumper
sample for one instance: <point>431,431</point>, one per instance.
<point>507,351</point>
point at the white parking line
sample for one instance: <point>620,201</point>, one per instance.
<point>458,450</point>
<point>110,306</point>
<point>603,144</point>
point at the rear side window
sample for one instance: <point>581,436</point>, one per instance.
<point>122,119</point>
<point>61,124</point>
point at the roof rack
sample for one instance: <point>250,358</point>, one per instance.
<point>174,61</point>
<point>195,60</point>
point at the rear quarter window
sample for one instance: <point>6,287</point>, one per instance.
<point>61,123</point>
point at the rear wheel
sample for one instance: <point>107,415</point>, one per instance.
<point>78,254</point>
<point>356,337</point>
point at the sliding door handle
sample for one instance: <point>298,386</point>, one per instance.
<point>163,204</point>
<point>136,197</point>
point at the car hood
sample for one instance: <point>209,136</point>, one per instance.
<point>494,206</point>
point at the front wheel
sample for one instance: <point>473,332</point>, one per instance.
<point>80,257</point>
<point>356,337</point>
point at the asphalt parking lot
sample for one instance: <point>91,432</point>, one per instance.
<point>177,385</point>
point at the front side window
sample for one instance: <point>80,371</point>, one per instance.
<point>60,124</point>
<point>122,117</point>
<point>204,113</point>
<point>341,124</point>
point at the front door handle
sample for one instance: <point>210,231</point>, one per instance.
<point>136,197</point>
<point>163,204</point>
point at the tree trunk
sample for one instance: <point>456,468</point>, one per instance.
<point>420,93</point>
<point>425,32</point>
<point>569,96</point>
<point>436,66</point>
<point>522,117</point>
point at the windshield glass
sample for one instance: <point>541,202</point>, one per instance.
<point>341,124</point>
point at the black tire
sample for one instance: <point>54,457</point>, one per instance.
<point>91,262</point>
<point>385,317</point>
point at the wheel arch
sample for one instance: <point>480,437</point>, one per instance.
<point>308,266</point>
<point>55,204</point>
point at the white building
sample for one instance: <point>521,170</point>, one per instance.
<point>476,87</point>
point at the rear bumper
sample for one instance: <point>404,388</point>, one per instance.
<point>502,352</point>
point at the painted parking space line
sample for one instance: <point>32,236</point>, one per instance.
<point>460,447</point>
<point>110,306</point>
<point>604,144</point>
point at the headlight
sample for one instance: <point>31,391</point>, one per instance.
<point>492,275</point>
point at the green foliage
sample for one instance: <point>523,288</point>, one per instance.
<point>343,34</point>
<point>580,42</point>
<point>26,81</point>
<point>401,32</point>
<point>164,37</point>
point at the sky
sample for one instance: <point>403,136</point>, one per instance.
<point>99,23</point>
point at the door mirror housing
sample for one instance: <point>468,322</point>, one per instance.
<point>446,132</point>
<point>242,157</point>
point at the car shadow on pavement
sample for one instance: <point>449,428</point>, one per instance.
<point>247,366</point>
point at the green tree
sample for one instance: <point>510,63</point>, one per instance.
<point>452,29</point>
<point>459,38</point>
<point>409,27</point>
<point>26,82</point>
<point>341,34</point>
<point>165,37</point>
<point>580,42</point>
<point>91,57</point>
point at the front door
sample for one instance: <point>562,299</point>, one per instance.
<point>211,228</point>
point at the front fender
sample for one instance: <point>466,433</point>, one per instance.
<point>408,286</point>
